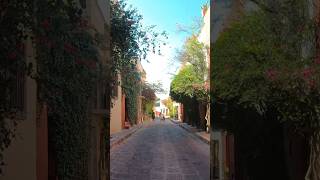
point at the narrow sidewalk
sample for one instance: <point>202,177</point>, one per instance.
<point>118,138</point>
<point>202,135</point>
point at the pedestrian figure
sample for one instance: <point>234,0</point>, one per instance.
<point>163,118</point>
<point>153,116</point>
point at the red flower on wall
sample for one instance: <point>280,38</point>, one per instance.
<point>42,40</point>
<point>92,64</point>
<point>312,83</point>
<point>50,44</point>
<point>12,56</point>
<point>78,61</point>
<point>83,23</point>
<point>206,86</point>
<point>45,41</point>
<point>69,48</point>
<point>20,47</point>
<point>45,24</point>
<point>307,72</point>
<point>317,60</point>
<point>271,74</point>
<point>88,63</point>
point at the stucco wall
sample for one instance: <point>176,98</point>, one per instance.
<point>21,154</point>
<point>204,35</point>
<point>116,113</point>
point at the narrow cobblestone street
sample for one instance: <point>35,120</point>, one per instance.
<point>160,150</point>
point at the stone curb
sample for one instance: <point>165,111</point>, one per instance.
<point>124,137</point>
<point>190,131</point>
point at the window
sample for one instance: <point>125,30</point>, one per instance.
<point>157,104</point>
<point>103,97</point>
<point>115,86</point>
<point>83,4</point>
<point>216,159</point>
<point>16,92</point>
<point>100,97</point>
<point>95,97</point>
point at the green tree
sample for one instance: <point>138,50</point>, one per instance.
<point>185,81</point>
<point>183,89</point>
<point>193,53</point>
<point>149,98</point>
<point>169,104</point>
<point>131,41</point>
<point>260,63</point>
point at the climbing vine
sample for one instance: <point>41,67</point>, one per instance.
<point>262,63</point>
<point>67,60</point>
<point>66,72</point>
<point>131,42</point>
<point>15,23</point>
<point>131,85</point>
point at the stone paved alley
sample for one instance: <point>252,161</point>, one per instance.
<point>160,150</point>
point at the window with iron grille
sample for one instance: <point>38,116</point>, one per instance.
<point>16,89</point>
<point>95,98</point>
<point>83,3</point>
<point>216,163</point>
<point>115,87</point>
<point>103,97</point>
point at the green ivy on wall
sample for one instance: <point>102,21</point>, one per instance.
<point>67,59</point>
<point>131,42</point>
<point>15,23</point>
<point>261,62</point>
<point>131,85</point>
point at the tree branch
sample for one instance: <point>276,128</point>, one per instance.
<point>263,6</point>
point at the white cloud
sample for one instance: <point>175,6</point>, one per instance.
<point>160,67</point>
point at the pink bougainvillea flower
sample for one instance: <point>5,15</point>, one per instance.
<point>50,44</point>
<point>307,72</point>
<point>20,47</point>
<point>45,24</point>
<point>79,61</point>
<point>83,23</point>
<point>92,65</point>
<point>206,85</point>
<point>69,48</point>
<point>311,83</point>
<point>42,40</point>
<point>317,60</point>
<point>12,56</point>
<point>271,74</point>
<point>301,28</point>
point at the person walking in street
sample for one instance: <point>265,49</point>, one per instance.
<point>153,116</point>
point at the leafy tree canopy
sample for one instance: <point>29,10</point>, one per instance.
<point>185,81</point>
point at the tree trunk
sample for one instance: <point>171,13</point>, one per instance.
<point>313,172</point>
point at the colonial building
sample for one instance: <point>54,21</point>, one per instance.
<point>228,149</point>
<point>119,119</point>
<point>204,37</point>
<point>28,156</point>
<point>117,113</point>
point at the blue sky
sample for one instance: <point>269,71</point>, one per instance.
<point>166,14</point>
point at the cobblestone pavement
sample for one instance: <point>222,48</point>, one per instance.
<point>160,151</point>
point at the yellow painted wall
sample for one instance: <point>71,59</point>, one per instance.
<point>115,119</point>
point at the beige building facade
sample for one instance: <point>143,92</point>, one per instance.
<point>117,109</point>
<point>204,37</point>
<point>27,156</point>
<point>21,155</point>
